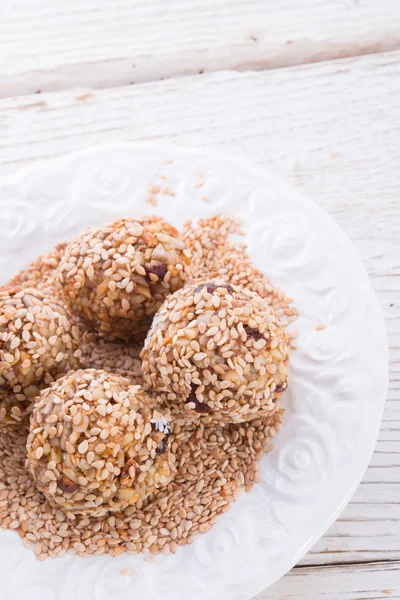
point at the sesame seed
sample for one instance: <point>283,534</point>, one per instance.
<point>83,447</point>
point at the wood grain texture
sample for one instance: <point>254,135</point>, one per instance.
<point>332,129</point>
<point>53,45</point>
<point>353,582</point>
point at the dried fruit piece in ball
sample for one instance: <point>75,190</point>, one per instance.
<point>116,277</point>
<point>216,350</point>
<point>38,341</point>
<point>97,444</point>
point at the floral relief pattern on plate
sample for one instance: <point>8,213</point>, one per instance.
<point>338,375</point>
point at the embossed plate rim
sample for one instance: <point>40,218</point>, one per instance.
<point>261,174</point>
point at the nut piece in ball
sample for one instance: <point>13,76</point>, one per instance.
<point>38,342</point>
<point>216,349</point>
<point>117,277</point>
<point>97,444</point>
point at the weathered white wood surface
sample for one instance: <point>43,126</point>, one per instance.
<point>54,45</point>
<point>353,582</point>
<point>332,129</point>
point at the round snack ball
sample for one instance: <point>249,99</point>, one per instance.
<point>116,277</point>
<point>41,274</point>
<point>97,444</point>
<point>216,349</point>
<point>38,341</point>
<point>15,409</point>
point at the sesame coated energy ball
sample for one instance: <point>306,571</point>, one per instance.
<point>16,408</point>
<point>218,350</point>
<point>116,277</point>
<point>41,274</point>
<point>38,341</point>
<point>97,444</point>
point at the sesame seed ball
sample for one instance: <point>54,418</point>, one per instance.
<point>38,341</point>
<point>15,409</point>
<point>41,274</point>
<point>117,277</point>
<point>97,444</point>
<point>216,349</point>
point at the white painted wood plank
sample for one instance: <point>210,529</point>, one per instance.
<point>331,129</point>
<point>54,45</point>
<point>379,581</point>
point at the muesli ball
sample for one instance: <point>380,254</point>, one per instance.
<point>97,444</point>
<point>116,277</point>
<point>216,349</point>
<point>15,409</point>
<point>41,274</point>
<point>38,341</point>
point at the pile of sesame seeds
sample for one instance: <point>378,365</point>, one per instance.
<point>214,255</point>
<point>113,357</point>
<point>213,465</point>
<point>214,462</point>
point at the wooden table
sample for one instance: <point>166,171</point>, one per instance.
<point>309,88</point>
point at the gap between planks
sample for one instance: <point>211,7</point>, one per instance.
<point>376,581</point>
<point>316,565</point>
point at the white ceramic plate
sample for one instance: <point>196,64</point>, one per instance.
<point>338,376</point>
